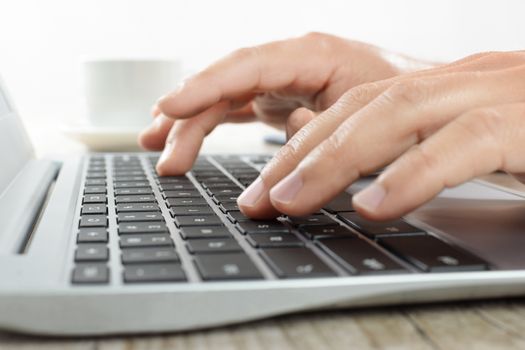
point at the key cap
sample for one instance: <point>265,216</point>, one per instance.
<point>296,263</point>
<point>92,235</point>
<point>145,240</point>
<point>182,194</point>
<point>173,180</point>
<point>237,216</point>
<point>91,252</point>
<point>140,216</point>
<point>118,173</point>
<point>205,181</point>
<point>93,221</point>
<point>124,208</point>
<point>320,231</point>
<point>94,198</point>
<point>235,266</point>
<point>313,220</point>
<point>177,187</point>
<point>133,184</point>
<point>132,191</point>
<point>130,178</point>
<point>94,209</point>
<point>431,254</point>
<point>221,199</point>
<point>142,227</point>
<point>95,190</point>
<point>274,240</point>
<point>261,226</point>
<point>210,246</point>
<point>135,199</point>
<point>222,185</point>
<point>90,274</point>
<point>96,175</point>
<point>95,182</point>
<point>148,255</point>
<point>343,202</point>
<point>231,192</point>
<point>227,207</point>
<point>204,232</point>
<point>198,220</point>
<point>185,202</point>
<point>153,273</point>
<point>360,257</point>
<point>185,211</point>
<point>374,229</point>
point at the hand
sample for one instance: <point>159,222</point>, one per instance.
<point>436,128</point>
<point>284,83</point>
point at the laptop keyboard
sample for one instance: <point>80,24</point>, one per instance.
<point>189,229</point>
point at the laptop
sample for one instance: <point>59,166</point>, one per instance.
<point>100,244</point>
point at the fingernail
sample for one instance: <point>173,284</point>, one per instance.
<point>286,190</point>
<point>371,197</point>
<point>157,122</point>
<point>251,195</point>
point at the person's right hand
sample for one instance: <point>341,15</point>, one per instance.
<point>284,83</point>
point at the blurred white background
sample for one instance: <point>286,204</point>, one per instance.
<point>42,43</point>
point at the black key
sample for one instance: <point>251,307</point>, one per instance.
<point>153,273</point>
<point>133,191</point>
<point>313,220</point>
<point>130,178</point>
<point>227,207</point>
<point>204,232</point>
<point>92,252</point>
<point>177,187</point>
<point>358,256</point>
<point>211,246</point>
<point>205,181</point>
<point>231,192</point>
<point>93,221</point>
<point>182,194</point>
<point>95,190</point>
<point>373,228</point>
<point>118,173</point>
<point>200,174</point>
<point>124,208</point>
<point>148,255</point>
<point>199,220</point>
<point>90,274</point>
<point>431,254</point>
<point>343,202</point>
<point>173,180</point>
<point>225,199</point>
<point>95,182</point>
<point>146,240</point>
<point>222,185</point>
<point>96,175</point>
<point>296,262</point>
<point>94,198</point>
<point>133,184</point>
<point>92,235</point>
<point>237,216</point>
<point>226,267</point>
<point>140,216</point>
<point>255,226</point>
<point>94,209</point>
<point>135,199</point>
<point>274,240</point>
<point>142,227</point>
<point>185,202</point>
<point>185,211</point>
<point>319,231</point>
<point>100,167</point>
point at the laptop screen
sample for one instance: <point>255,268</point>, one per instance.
<point>15,148</point>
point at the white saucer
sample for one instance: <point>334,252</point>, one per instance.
<point>103,139</point>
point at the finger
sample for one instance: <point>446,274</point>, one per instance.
<point>489,139</point>
<point>185,140</point>
<point>298,119</point>
<point>400,117</point>
<point>263,68</point>
<point>154,137</point>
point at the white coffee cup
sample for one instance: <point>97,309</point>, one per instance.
<point>121,92</point>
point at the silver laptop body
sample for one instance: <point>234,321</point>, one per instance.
<point>48,287</point>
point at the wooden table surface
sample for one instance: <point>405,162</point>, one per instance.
<point>492,324</point>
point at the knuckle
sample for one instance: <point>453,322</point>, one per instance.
<point>319,40</point>
<point>410,92</point>
<point>420,158</point>
<point>361,94</point>
<point>244,53</point>
<point>483,123</point>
